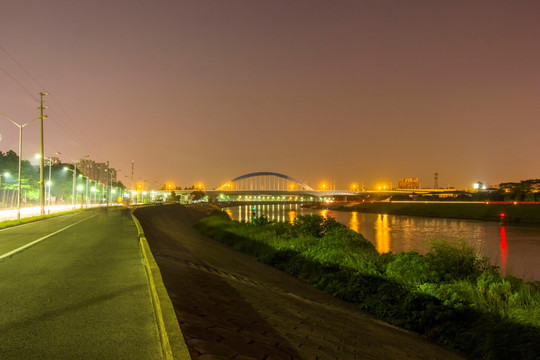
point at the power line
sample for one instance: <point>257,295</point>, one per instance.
<point>22,68</point>
<point>17,82</point>
<point>57,118</point>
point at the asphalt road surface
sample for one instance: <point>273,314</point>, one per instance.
<point>79,293</point>
<point>231,307</point>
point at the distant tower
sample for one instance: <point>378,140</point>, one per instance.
<point>436,180</point>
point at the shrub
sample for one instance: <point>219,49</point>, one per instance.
<point>412,269</point>
<point>310,225</point>
<point>455,260</point>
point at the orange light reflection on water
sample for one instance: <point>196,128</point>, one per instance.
<point>353,223</point>
<point>382,234</point>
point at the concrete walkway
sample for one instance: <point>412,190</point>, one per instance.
<point>231,307</point>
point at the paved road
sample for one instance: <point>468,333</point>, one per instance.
<point>80,293</point>
<point>231,307</point>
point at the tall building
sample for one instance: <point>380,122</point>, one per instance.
<point>96,171</point>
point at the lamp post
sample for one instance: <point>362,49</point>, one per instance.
<point>73,186</point>
<point>85,189</point>
<point>48,190</point>
<point>79,188</point>
<point>74,176</point>
<point>20,157</point>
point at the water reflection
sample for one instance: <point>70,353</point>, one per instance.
<point>504,253</point>
<point>353,223</point>
<point>292,214</point>
<point>382,234</point>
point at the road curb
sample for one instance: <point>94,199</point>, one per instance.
<point>173,345</point>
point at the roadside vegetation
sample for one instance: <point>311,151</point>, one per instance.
<point>449,295</point>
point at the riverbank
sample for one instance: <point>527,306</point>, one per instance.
<point>230,306</point>
<point>521,213</point>
<point>448,295</point>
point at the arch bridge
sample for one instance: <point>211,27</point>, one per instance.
<point>269,186</point>
<point>264,181</point>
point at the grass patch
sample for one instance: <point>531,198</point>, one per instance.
<point>450,295</point>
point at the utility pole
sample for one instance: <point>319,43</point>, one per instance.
<point>42,157</point>
<point>436,180</point>
<point>132,170</point>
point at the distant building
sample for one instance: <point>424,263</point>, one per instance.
<point>408,183</point>
<point>96,171</point>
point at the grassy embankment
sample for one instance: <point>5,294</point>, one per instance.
<point>449,294</point>
<point>513,213</point>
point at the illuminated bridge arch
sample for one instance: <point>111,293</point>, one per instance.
<point>264,181</point>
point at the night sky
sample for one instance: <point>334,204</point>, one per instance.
<point>336,91</point>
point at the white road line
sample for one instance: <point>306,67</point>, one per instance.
<point>13,252</point>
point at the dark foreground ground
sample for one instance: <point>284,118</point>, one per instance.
<point>231,307</point>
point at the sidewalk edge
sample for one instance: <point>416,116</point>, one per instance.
<point>172,340</point>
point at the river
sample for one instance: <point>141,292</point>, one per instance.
<point>514,248</point>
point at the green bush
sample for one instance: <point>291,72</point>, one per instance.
<point>455,260</point>
<point>412,269</point>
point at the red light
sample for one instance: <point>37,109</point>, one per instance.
<point>502,215</point>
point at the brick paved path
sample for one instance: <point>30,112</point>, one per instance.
<point>231,307</point>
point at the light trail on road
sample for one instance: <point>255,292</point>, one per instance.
<point>11,214</point>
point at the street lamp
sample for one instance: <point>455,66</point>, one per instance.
<point>73,193</point>
<point>80,187</point>
<point>6,174</point>
<point>74,176</point>
<point>49,182</point>
<point>20,157</point>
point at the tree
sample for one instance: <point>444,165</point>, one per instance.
<point>521,191</point>
<point>197,195</point>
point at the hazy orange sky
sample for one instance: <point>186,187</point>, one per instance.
<point>339,91</point>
